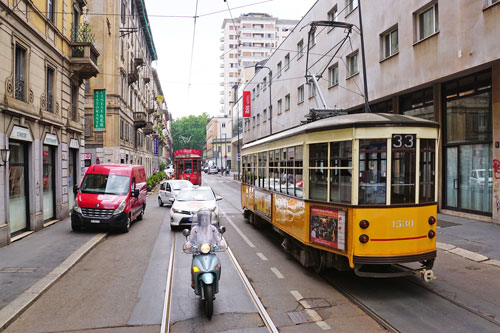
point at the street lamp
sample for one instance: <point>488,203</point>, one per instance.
<point>258,66</point>
<point>5,154</point>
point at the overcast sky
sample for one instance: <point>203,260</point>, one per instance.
<point>173,38</point>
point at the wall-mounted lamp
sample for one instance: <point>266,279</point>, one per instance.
<point>5,154</point>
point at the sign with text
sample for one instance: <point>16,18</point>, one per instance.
<point>156,146</point>
<point>99,110</point>
<point>187,152</point>
<point>247,107</point>
<point>328,227</point>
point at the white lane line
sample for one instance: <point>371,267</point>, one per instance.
<point>323,325</point>
<point>296,294</point>
<point>261,256</point>
<point>262,310</point>
<point>313,315</point>
<point>238,230</point>
<point>165,318</point>
<point>277,273</point>
<point>305,304</point>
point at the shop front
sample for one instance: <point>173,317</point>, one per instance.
<point>50,144</point>
<point>467,144</point>
<point>74,149</point>
<point>19,145</point>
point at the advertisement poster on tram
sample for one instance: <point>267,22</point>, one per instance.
<point>328,227</point>
<point>262,202</point>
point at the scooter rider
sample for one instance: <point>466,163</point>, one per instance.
<point>204,231</point>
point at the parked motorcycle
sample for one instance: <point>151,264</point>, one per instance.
<point>202,242</point>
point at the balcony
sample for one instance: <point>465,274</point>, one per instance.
<point>138,61</point>
<point>147,79</point>
<point>133,75</point>
<point>83,53</point>
<point>148,129</point>
<point>140,119</point>
<point>150,110</point>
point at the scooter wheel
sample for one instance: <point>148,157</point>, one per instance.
<point>208,292</point>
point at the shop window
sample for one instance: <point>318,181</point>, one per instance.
<point>373,171</point>
<point>382,107</point>
<point>418,104</point>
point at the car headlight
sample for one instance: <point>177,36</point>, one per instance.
<point>205,248</point>
<point>76,207</point>
<point>177,211</point>
<point>120,208</point>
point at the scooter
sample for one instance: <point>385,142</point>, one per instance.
<point>205,267</point>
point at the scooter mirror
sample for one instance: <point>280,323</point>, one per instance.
<point>185,232</point>
<point>222,229</point>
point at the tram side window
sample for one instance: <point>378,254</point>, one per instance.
<point>290,182</point>
<point>195,166</point>
<point>299,182</point>
<point>254,169</point>
<point>283,177</point>
<point>271,171</point>
<point>340,179</point>
<point>404,155</point>
<point>276,178</point>
<point>318,161</point>
<point>372,171</point>
<point>181,167</point>
<point>245,170</point>
<point>427,170</point>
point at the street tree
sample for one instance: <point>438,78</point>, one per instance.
<point>190,132</point>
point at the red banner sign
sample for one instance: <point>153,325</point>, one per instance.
<point>187,152</point>
<point>246,104</point>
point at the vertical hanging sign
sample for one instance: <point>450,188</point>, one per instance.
<point>155,146</point>
<point>99,110</point>
<point>246,104</point>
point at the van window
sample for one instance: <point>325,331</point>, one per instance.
<point>105,184</point>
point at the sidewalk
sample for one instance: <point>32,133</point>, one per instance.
<point>28,267</point>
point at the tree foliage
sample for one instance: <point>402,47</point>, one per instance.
<point>190,132</point>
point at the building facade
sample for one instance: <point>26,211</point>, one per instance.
<point>125,113</point>
<point>218,144</point>
<point>48,51</point>
<point>251,38</point>
<point>437,59</point>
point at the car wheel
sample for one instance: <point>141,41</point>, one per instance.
<point>141,215</point>
<point>173,227</point>
<point>126,227</point>
<point>160,202</point>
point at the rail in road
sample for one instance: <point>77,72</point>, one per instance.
<point>398,304</point>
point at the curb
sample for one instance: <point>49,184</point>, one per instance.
<point>477,257</point>
<point>22,302</point>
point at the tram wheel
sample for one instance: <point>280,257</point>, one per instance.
<point>320,262</point>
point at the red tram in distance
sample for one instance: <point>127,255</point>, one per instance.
<point>187,164</point>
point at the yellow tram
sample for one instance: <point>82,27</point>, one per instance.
<point>349,191</point>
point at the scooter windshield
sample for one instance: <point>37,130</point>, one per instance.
<point>203,231</point>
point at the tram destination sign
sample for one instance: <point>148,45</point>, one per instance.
<point>404,141</point>
<point>99,110</point>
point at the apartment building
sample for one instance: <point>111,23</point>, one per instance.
<point>48,51</point>
<point>125,113</point>
<point>435,59</point>
<point>251,38</point>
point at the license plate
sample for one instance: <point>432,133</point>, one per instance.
<point>189,220</point>
<point>95,221</point>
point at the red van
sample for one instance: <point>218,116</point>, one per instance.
<point>113,195</point>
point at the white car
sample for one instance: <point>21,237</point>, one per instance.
<point>170,189</point>
<point>189,201</point>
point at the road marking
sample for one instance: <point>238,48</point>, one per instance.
<point>165,325</point>
<point>305,304</point>
<point>493,262</point>
<point>261,256</point>
<point>277,273</point>
<point>468,254</point>
<point>323,325</point>
<point>313,315</point>
<point>445,246</point>
<point>296,294</point>
<point>260,307</point>
<point>238,230</point>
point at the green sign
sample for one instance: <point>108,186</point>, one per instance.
<point>99,110</point>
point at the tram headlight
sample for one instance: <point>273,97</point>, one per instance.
<point>432,220</point>
<point>364,224</point>
<point>364,238</point>
<point>431,234</point>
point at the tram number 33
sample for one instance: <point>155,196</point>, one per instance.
<point>396,224</point>
<point>403,140</point>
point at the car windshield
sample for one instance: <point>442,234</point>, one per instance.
<point>176,186</point>
<point>195,195</point>
<point>105,184</point>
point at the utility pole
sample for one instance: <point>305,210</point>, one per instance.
<point>365,83</point>
<point>235,93</point>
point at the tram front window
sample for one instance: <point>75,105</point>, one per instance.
<point>404,153</point>
<point>372,171</point>
<point>188,168</point>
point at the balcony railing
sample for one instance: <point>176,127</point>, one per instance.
<point>50,103</point>
<point>140,119</point>
<point>20,90</point>
<point>83,52</point>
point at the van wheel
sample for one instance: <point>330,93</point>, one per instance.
<point>160,203</point>
<point>141,215</point>
<point>126,227</point>
<point>75,227</point>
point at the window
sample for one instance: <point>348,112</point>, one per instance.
<point>427,170</point>
<point>351,5</point>
<point>287,102</point>
<point>279,68</point>
<point>318,163</point>
<point>50,10</point>
<point>332,14</point>
<point>264,115</point>
<point>352,64</point>
<point>300,94</point>
<point>50,89</point>
<point>404,156</point>
<point>287,61</point>
<point>279,106</point>
<point>258,89</point>
<point>389,43</point>
<point>312,38</point>
<point>264,83</point>
<point>427,21</point>
<point>258,119</point>
<point>418,104</point>
<point>253,94</point>
<point>490,2</point>
<point>333,75</point>
<point>20,74</point>
<point>372,171</point>
<point>312,89</point>
<point>341,171</point>
<point>300,49</point>
<point>75,92</point>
